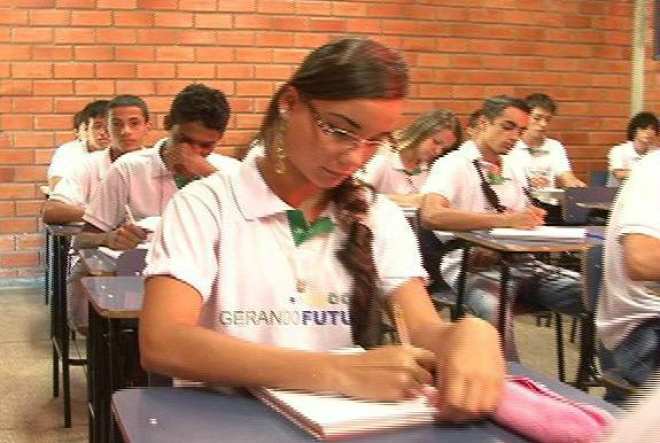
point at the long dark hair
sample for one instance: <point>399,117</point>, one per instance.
<point>346,69</point>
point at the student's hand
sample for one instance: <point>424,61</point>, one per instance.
<point>470,372</point>
<point>191,161</point>
<point>527,218</point>
<point>126,237</point>
<point>389,373</point>
<point>539,182</point>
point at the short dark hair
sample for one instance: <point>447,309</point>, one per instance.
<point>473,119</point>
<point>79,119</point>
<point>127,100</point>
<point>198,102</point>
<point>542,101</point>
<point>494,107</point>
<point>97,108</point>
<point>642,120</point>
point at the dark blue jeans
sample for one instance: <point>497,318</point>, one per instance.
<point>635,359</point>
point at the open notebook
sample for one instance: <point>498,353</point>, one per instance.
<point>541,233</point>
<point>329,417</point>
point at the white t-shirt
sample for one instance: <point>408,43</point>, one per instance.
<point>550,156</point>
<point>65,158</point>
<point>622,156</point>
<point>625,303</point>
<point>228,237</point>
<point>141,180</point>
<point>386,173</point>
<point>78,185</point>
<point>456,179</point>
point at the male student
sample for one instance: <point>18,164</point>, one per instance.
<point>128,124</point>
<point>642,135</point>
<point>544,159</point>
<point>473,189</point>
<point>474,124</point>
<point>91,135</point>
<point>141,184</point>
<point>628,314</point>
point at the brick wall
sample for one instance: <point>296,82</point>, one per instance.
<point>56,55</point>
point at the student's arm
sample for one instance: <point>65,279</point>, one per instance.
<point>569,180</point>
<point>172,343</point>
<point>121,239</point>
<point>437,214</point>
<point>406,200</point>
<point>641,257</point>
<point>57,212</point>
<point>621,174</point>
<point>470,367</point>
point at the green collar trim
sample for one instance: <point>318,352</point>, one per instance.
<point>414,172</point>
<point>182,181</point>
<point>301,231</point>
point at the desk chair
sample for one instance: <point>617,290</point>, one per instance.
<point>574,214</point>
<point>131,262</point>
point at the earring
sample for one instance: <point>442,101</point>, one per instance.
<point>280,157</point>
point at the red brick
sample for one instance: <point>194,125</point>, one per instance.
<point>15,52</point>
<point>214,54</point>
<point>78,4</point>
<point>116,70</point>
<point>116,4</point>
<point>14,122</point>
<point>52,121</point>
<point>155,70</point>
<point>312,41</point>
<point>195,71</point>
<point>170,87</point>
<point>140,87</point>
<point>364,26</point>
<point>175,53</point>
<point>69,105</point>
<point>95,87</point>
<point>31,241</point>
<point>278,39</point>
<point>213,21</point>
<point>32,35</point>
<point>135,53</point>
<point>385,10</point>
<point>197,37</point>
<point>7,243</point>
<point>198,5</point>
<point>253,22</point>
<point>32,70</point>
<point>32,104</point>
<point>75,35</point>
<point>119,36</point>
<point>173,19</point>
<point>237,6</point>
<point>316,7</point>
<point>6,174</point>
<point>328,25</point>
<point>133,18</point>
<point>95,53</point>
<point>43,156</point>
<point>259,55</point>
<point>91,18</point>
<point>16,191</point>
<point>159,4</point>
<point>50,17</point>
<point>285,56</point>
<point>235,38</point>
<point>254,88</point>
<point>15,87</point>
<point>53,87</point>
<point>52,52</point>
<point>341,8</point>
<point>275,6</point>
<point>273,72</point>
<point>74,70</point>
<point>13,16</point>
<point>30,173</point>
<point>19,259</point>
<point>37,3</point>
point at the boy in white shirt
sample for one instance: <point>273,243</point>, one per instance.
<point>642,133</point>
<point>628,315</point>
<point>544,159</point>
<point>91,135</point>
<point>145,181</point>
<point>474,189</point>
<point>128,125</point>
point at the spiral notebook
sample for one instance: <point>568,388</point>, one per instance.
<point>329,417</point>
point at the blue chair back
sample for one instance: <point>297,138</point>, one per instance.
<point>598,178</point>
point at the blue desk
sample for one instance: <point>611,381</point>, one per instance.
<point>166,415</point>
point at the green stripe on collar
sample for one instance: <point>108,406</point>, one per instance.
<point>182,181</point>
<point>301,231</point>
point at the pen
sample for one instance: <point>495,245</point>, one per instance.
<point>129,214</point>
<point>400,323</point>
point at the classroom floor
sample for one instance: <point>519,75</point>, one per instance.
<point>29,413</point>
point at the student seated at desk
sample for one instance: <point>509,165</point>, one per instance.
<point>474,189</point>
<point>400,174</point>
<point>128,120</point>
<point>144,182</point>
<point>642,134</point>
<point>91,131</point>
<point>628,315</point>
<point>543,159</point>
<point>254,276</point>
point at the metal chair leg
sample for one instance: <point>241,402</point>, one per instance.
<point>561,361</point>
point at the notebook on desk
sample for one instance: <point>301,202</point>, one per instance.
<point>541,233</point>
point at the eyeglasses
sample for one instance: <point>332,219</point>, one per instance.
<point>345,137</point>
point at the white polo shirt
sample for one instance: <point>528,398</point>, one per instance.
<point>141,180</point>
<point>228,237</point>
<point>66,156</point>
<point>625,303</point>
<point>456,179</point>
<point>622,156</point>
<point>78,185</point>
<point>386,173</point>
<point>550,156</point>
